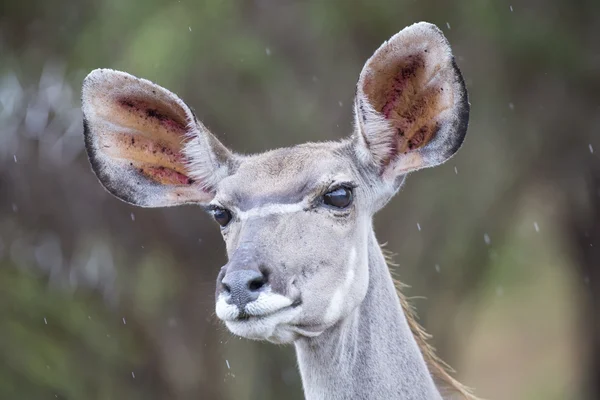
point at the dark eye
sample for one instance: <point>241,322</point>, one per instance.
<point>338,198</point>
<point>222,216</point>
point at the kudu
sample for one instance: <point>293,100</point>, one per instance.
<point>304,266</point>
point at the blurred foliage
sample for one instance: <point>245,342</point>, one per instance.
<point>100,300</point>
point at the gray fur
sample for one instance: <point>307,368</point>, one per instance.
<point>328,287</point>
<point>371,354</point>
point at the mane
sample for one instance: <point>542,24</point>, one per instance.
<point>440,370</point>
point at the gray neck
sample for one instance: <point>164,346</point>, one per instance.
<point>371,354</point>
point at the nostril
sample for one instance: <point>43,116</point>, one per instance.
<point>225,287</point>
<point>257,283</point>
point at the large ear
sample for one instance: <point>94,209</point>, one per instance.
<point>411,106</point>
<point>145,144</point>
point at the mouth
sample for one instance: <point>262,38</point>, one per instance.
<point>270,318</point>
<point>248,315</point>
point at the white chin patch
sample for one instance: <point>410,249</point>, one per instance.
<point>274,327</point>
<point>268,317</point>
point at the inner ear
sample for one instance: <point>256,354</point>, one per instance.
<point>400,91</point>
<point>150,138</point>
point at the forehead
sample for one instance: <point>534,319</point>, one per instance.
<point>286,175</point>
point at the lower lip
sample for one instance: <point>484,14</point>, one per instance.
<point>249,318</point>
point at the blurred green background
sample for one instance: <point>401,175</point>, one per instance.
<point>500,246</point>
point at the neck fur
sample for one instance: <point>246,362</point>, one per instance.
<point>371,354</point>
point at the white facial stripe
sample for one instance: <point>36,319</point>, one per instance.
<point>335,308</point>
<point>267,303</point>
<point>271,209</point>
<point>225,311</point>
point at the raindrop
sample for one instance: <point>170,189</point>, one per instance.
<point>268,51</point>
<point>418,226</point>
<point>448,25</point>
<point>132,217</point>
<point>499,291</point>
<point>190,28</point>
<point>124,322</point>
<point>586,280</point>
<point>89,317</point>
<point>314,78</point>
<point>14,207</point>
<point>15,158</point>
<point>437,268</point>
<point>590,145</point>
<point>227,362</point>
<point>45,321</point>
<point>536,226</point>
<point>511,9</point>
<point>511,106</point>
<point>132,374</point>
<point>340,103</point>
<point>456,170</point>
<point>487,239</point>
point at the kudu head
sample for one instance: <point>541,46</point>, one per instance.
<point>296,221</point>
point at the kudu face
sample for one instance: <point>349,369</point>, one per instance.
<point>296,221</point>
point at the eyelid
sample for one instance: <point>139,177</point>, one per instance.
<point>338,185</point>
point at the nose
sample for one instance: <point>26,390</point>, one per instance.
<point>243,286</point>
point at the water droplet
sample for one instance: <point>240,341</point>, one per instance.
<point>45,321</point>
<point>227,362</point>
<point>586,280</point>
<point>340,103</point>
<point>418,226</point>
<point>132,374</point>
<point>591,148</point>
<point>536,226</point>
<point>511,106</point>
<point>190,28</point>
<point>511,9</point>
<point>487,239</point>
<point>448,25</point>
<point>124,322</point>
<point>268,51</point>
<point>437,268</point>
<point>499,291</point>
<point>132,217</point>
<point>456,170</point>
<point>15,158</point>
<point>14,207</point>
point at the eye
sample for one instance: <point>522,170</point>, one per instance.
<point>221,215</point>
<point>338,198</point>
